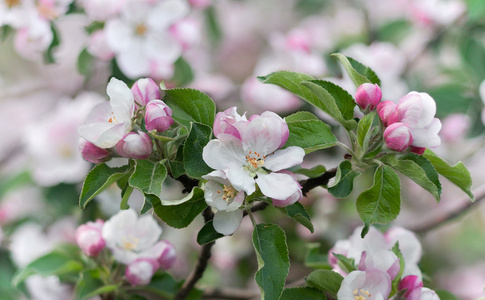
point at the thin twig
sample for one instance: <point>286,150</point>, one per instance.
<point>440,220</point>
<point>311,183</point>
<point>198,272</point>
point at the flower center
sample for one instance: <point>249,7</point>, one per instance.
<point>12,3</point>
<point>141,29</point>
<point>228,193</point>
<point>254,161</point>
<point>361,294</point>
<point>46,11</point>
<point>113,119</point>
<point>130,242</point>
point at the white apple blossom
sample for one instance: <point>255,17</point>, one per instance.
<point>249,160</point>
<point>131,237</point>
<point>110,121</point>
<point>47,288</point>
<point>362,285</point>
<point>141,37</point>
<point>221,195</point>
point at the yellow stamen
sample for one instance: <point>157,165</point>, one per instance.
<point>141,29</point>
<point>12,3</point>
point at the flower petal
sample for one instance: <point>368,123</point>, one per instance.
<point>285,158</point>
<point>226,222</point>
<point>226,149</point>
<point>277,186</point>
<point>264,135</point>
<point>122,100</point>
<point>240,179</point>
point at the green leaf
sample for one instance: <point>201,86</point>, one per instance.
<point>326,281</point>
<point>344,180</point>
<point>49,54</point>
<point>394,31</point>
<point>445,295</point>
<point>451,98</point>
<point>358,72</point>
<point>418,169</point>
<point>56,262</point>
<point>333,100</point>
<point>269,242</point>
<point>180,216</point>
<point>364,130</point>
<point>473,51</point>
<point>208,234</point>
<point>311,135</point>
<point>213,27</point>
<point>344,101</point>
<point>183,73</point>
<point>98,179</point>
<point>314,257</point>
<point>458,174</point>
<point>395,283</point>
<point>148,177</point>
<point>94,26</point>
<point>345,263</point>
<point>302,293</point>
<point>85,63</point>
<point>89,285</point>
<point>382,202</point>
<point>198,138</point>
<point>189,105</point>
<point>297,212</point>
<point>301,116</point>
<point>312,173</point>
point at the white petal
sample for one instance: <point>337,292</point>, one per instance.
<point>277,185</point>
<point>427,137</point>
<point>100,113</point>
<point>119,35</point>
<point>122,100</point>
<point>283,159</point>
<point>112,136</point>
<point>91,132</point>
<point>134,63</point>
<point>264,135</point>
<point>240,179</point>
<point>148,231</point>
<point>218,153</point>
<point>167,12</point>
<point>162,47</point>
<point>213,193</point>
<point>227,222</point>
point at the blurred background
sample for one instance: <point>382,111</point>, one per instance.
<point>56,58</point>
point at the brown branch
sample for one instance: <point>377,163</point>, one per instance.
<point>440,220</point>
<point>311,183</point>
<point>205,254</point>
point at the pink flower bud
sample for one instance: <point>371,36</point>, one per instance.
<point>168,256</point>
<point>398,137</point>
<point>388,112</point>
<point>158,116</point>
<point>368,95</point>
<point>224,122</point>
<point>89,237</point>
<point>93,153</point>
<point>140,272</point>
<point>144,90</point>
<point>412,284</point>
<point>135,145</point>
<point>418,150</point>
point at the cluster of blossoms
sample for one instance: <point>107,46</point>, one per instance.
<point>246,156</point>
<point>133,241</point>
<point>410,123</point>
<point>378,265</point>
<point>115,126</point>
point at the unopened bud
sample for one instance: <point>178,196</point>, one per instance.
<point>89,237</point>
<point>140,272</point>
<point>368,95</point>
<point>398,137</point>
<point>144,90</point>
<point>93,153</point>
<point>168,255</point>
<point>412,284</point>
<point>388,112</point>
<point>158,116</point>
<point>135,145</point>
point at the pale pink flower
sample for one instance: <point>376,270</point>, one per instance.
<point>268,97</point>
<point>455,127</point>
<point>32,40</point>
<point>140,271</point>
<point>98,47</point>
<point>361,284</point>
<point>417,111</point>
<point>135,145</point>
<point>131,237</point>
<point>368,95</point>
<point>201,4</point>
<point>384,260</point>
<point>47,288</point>
<point>89,237</point>
<point>158,116</point>
<point>243,159</point>
<point>398,137</point>
<point>110,121</point>
<point>102,10</point>
<point>186,32</point>
<point>225,122</point>
<point>410,247</point>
